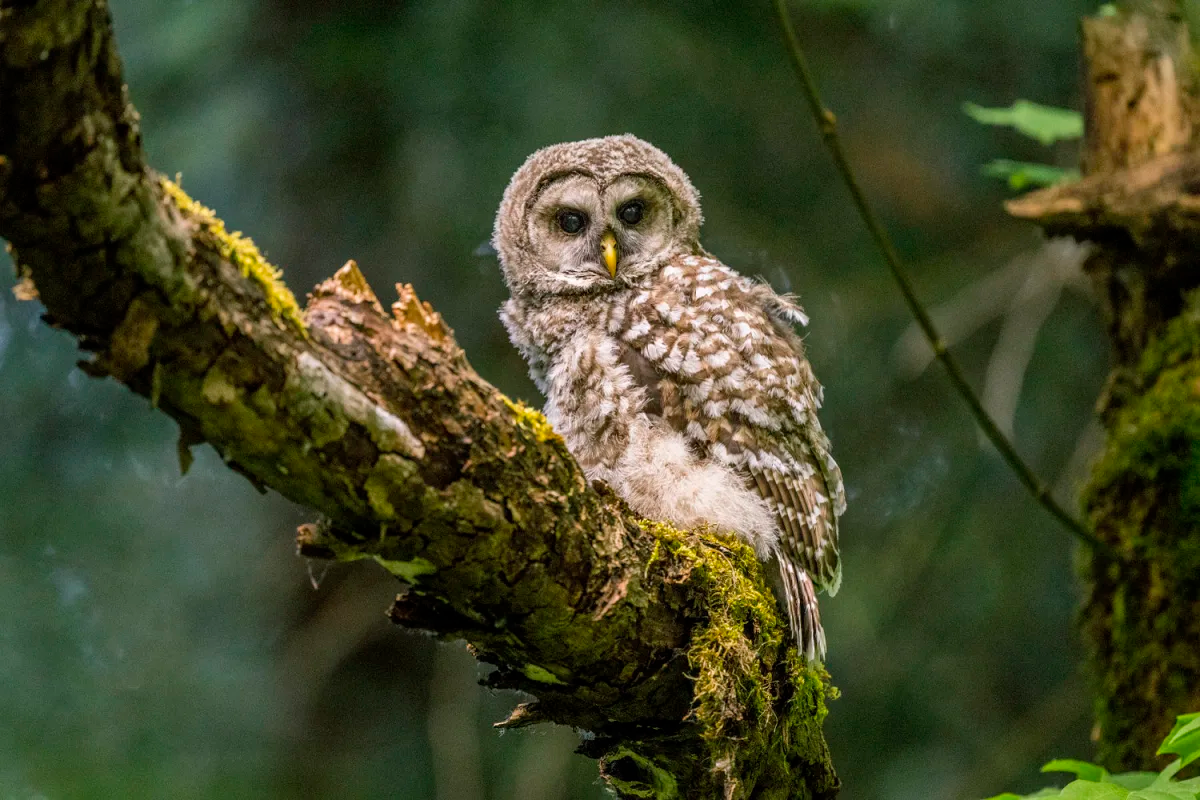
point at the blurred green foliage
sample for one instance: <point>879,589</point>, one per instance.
<point>1045,124</point>
<point>1095,783</point>
<point>1024,175</point>
<point>159,637</point>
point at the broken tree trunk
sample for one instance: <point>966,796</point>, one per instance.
<point>664,644</point>
<point>1139,204</point>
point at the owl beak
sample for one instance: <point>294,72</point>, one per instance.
<point>608,249</point>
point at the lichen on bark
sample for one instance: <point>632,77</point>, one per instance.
<point>240,250</point>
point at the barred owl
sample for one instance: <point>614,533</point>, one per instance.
<point>672,378</point>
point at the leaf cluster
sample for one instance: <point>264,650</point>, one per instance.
<point>1093,782</point>
<point>1046,124</point>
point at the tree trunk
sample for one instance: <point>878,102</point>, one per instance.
<point>1139,204</point>
<point>665,644</point>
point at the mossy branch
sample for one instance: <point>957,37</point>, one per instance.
<point>664,644</point>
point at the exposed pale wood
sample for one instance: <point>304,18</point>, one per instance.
<point>1138,103</point>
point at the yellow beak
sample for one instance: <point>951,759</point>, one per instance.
<point>608,248</point>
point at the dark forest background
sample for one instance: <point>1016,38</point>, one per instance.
<point>158,637</point>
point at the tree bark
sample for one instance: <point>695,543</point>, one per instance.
<point>1139,204</point>
<point>665,644</point>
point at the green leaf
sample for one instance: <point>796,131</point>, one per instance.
<point>1047,124</point>
<point>1083,770</point>
<point>1190,785</point>
<point>1021,175</point>
<point>1168,772</point>
<point>1134,780</point>
<point>1168,793</point>
<point>1184,739</point>
<point>1095,783</point>
<point>1091,790</point>
<point>1107,10</point>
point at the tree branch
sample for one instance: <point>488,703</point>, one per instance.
<point>665,644</point>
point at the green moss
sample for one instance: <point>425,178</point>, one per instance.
<point>1141,617</point>
<point>738,653</point>
<point>732,671</point>
<point>540,674</point>
<point>531,419</point>
<point>1179,342</point>
<point>633,775</point>
<point>1157,435</point>
<point>41,30</point>
<point>391,472</point>
<point>407,571</point>
<point>240,250</point>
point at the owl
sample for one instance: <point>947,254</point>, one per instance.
<point>680,383</point>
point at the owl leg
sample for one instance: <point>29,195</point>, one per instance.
<point>795,591</point>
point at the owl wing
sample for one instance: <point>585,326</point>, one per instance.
<point>720,363</point>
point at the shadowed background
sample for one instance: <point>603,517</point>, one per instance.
<point>160,639</point>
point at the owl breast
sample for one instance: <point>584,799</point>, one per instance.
<point>592,398</point>
<point>652,395</point>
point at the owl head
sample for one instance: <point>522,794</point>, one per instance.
<point>594,216</point>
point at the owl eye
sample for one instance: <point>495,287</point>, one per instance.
<point>572,221</point>
<point>631,213</point>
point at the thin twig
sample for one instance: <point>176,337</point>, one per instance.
<point>827,124</point>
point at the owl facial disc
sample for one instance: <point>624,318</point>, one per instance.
<point>594,216</point>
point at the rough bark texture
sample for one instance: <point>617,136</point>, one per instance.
<point>1140,206</point>
<point>664,644</point>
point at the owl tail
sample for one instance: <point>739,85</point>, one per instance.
<point>799,598</point>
